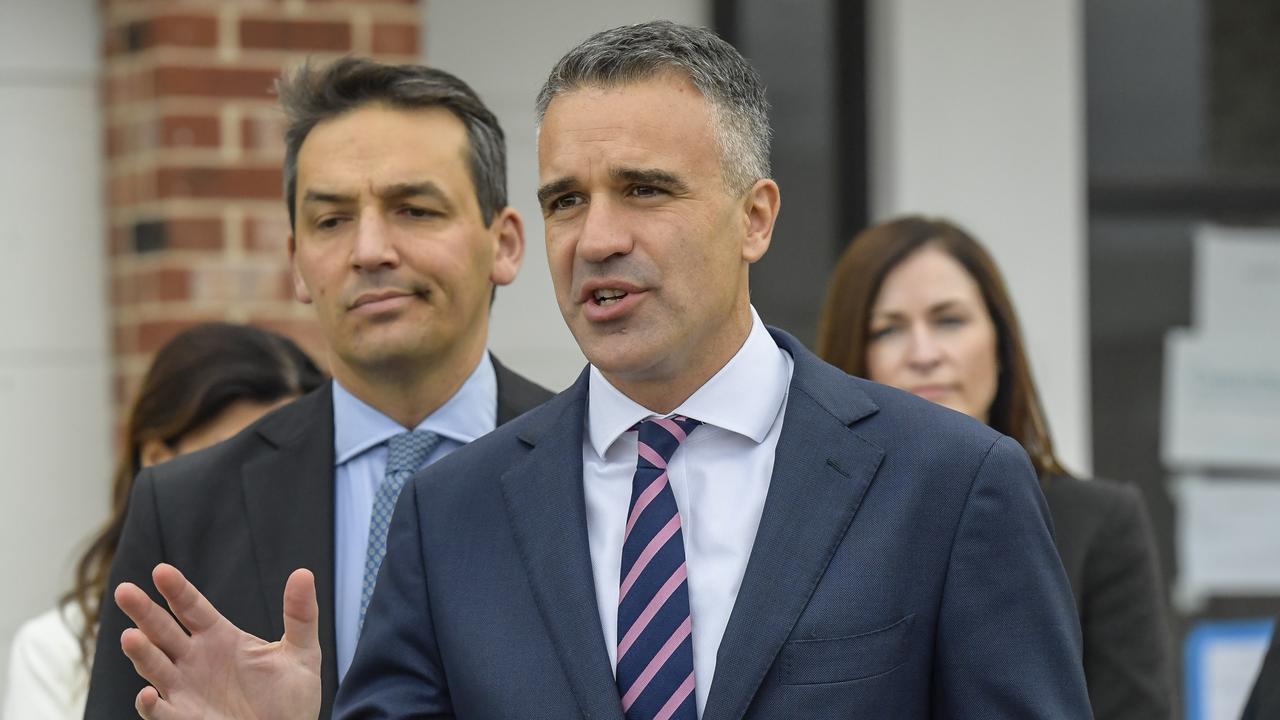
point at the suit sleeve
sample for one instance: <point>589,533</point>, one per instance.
<point>1126,641</point>
<point>1008,642</point>
<point>113,684</point>
<point>396,672</point>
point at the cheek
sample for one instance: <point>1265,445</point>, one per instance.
<point>982,364</point>
<point>879,364</point>
<point>560,262</point>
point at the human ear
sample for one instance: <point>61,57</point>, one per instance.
<point>760,206</point>
<point>508,236</point>
<point>299,287</point>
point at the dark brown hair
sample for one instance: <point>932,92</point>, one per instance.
<point>314,94</point>
<point>844,330</point>
<point>197,375</point>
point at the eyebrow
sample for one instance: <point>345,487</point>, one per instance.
<point>395,191</point>
<point>649,177</point>
<point>935,308</point>
<point>555,187</point>
<point>639,176</point>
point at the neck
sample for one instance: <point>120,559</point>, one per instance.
<point>410,390</point>
<point>663,392</point>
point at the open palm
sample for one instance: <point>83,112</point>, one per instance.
<point>220,672</point>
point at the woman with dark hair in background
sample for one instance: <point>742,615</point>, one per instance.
<point>205,385</point>
<point>918,304</point>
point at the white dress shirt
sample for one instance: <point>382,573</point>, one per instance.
<point>360,435</point>
<point>719,476</point>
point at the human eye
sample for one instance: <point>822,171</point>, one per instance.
<point>881,332</point>
<point>329,222</point>
<point>562,203</point>
<point>416,212</point>
<point>646,191</point>
<point>951,321</point>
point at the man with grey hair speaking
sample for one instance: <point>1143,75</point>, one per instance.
<point>711,523</point>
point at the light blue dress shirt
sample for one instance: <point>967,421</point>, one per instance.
<point>360,435</point>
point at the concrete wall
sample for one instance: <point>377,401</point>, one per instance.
<point>54,404</point>
<point>504,49</point>
<point>978,114</point>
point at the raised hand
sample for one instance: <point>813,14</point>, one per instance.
<point>220,672</point>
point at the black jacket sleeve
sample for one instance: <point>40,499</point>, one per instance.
<point>113,684</point>
<point>1126,640</point>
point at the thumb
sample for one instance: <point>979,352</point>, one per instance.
<point>301,612</point>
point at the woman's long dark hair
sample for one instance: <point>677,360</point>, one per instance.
<point>844,331</point>
<point>194,378</point>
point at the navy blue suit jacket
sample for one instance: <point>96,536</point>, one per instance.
<point>903,568</point>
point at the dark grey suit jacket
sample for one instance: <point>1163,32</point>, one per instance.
<point>1105,540</point>
<point>903,568</point>
<point>1264,701</point>
<point>237,519</point>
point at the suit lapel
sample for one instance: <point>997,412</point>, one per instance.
<point>289,505</point>
<point>821,472</point>
<point>546,507</point>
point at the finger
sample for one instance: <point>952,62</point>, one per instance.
<point>151,706</point>
<point>154,621</point>
<point>191,608</point>
<point>301,612</point>
<point>148,660</point>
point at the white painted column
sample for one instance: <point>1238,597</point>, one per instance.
<point>55,416</point>
<point>504,49</point>
<point>977,114</point>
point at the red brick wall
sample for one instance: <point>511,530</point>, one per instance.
<point>193,143</point>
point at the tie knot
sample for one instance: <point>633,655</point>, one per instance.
<point>661,436</point>
<point>408,451</point>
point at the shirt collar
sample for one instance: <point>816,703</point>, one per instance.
<point>744,397</point>
<point>470,413</point>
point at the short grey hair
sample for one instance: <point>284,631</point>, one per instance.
<point>733,89</point>
<point>312,95</point>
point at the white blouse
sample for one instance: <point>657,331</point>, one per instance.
<point>47,676</point>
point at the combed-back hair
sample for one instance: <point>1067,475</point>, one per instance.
<point>313,94</point>
<point>197,375</point>
<point>634,53</point>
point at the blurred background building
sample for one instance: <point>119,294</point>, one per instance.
<point>1106,152</point>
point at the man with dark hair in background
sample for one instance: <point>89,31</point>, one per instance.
<point>395,182</point>
<point>711,522</point>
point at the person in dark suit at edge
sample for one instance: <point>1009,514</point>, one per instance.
<point>918,304</point>
<point>1264,700</point>
<point>711,522</point>
<point>395,183</point>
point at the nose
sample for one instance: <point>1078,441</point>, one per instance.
<point>605,232</point>
<point>924,353</point>
<point>373,247</point>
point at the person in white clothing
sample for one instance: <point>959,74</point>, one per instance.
<point>208,383</point>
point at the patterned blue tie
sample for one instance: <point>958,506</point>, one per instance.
<point>406,454</point>
<point>655,629</point>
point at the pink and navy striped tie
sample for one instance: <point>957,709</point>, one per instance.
<point>655,641</point>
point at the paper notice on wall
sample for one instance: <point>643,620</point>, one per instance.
<point>1237,280</point>
<point>1221,401</point>
<point>1228,538</point>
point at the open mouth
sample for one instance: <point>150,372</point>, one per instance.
<point>605,298</point>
